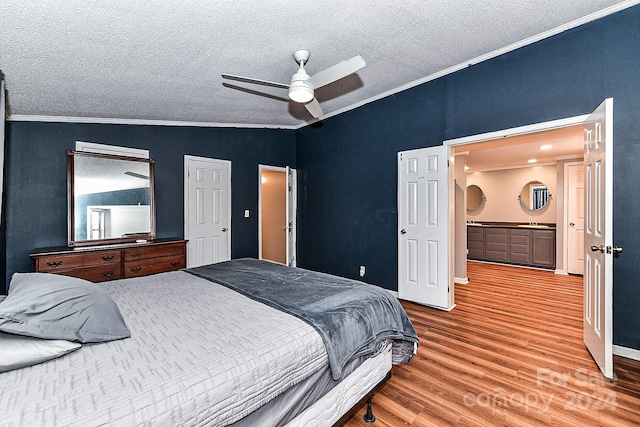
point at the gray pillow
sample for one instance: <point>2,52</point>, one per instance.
<point>19,351</point>
<point>56,307</point>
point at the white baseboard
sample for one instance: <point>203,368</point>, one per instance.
<point>461,281</point>
<point>629,353</point>
<point>394,293</point>
<point>563,272</point>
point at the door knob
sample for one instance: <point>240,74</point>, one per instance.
<point>403,231</point>
<point>572,224</point>
<point>224,230</point>
<point>595,248</point>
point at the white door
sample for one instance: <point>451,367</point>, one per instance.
<point>207,210</point>
<point>576,210</point>
<point>292,199</point>
<point>424,227</point>
<point>598,236</point>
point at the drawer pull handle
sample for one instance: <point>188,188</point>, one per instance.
<point>175,263</point>
<point>136,254</point>
<point>107,273</point>
<point>54,264</point>
<point>136,269</point>
<point>107,257</point>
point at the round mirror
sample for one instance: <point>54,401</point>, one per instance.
<point>475,196</point>
<point>534,196</point>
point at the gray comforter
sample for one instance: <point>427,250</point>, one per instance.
<point>353,318</point>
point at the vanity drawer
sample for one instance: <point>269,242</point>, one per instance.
<point>153,266</point>
<point>154,251</point>
<point>58,262</point>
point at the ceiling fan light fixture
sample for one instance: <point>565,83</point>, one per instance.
<point>300,92</point>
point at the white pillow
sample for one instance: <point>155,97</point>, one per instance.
<point>19,351</point>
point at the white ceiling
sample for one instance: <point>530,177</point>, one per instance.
<point>161,60</point>
<point>516,151</point>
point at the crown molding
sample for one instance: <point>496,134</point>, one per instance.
<point>138,122</point>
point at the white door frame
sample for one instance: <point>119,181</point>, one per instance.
<point>187,158</point>
<point>292,209</point>
<point>520,130</point>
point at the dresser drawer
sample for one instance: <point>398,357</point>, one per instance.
<point>54,263</point>
<point>153,265</point>
<point>153,251</point>
<point>114,262</point>
<point>94,274</point>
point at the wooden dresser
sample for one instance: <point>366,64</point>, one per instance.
<point>102,263</point>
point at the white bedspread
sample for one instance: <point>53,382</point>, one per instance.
<point>199,354</point>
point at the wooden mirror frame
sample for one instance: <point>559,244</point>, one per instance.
<point>71,202</point>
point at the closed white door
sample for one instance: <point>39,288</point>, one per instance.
<point>207,210</point>
<point>598,237</point>
<point>576,210</point>
<point>424,234</point>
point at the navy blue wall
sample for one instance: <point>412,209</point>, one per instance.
<point>347,165</point>
<point>36,185</point>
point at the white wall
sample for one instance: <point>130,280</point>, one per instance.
<point>501,189</point>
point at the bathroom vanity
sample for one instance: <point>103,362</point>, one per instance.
<point>520,244</point>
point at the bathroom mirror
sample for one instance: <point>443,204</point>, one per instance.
<point>111,199</point>
<point>475,197</point>
<point>534,196</point>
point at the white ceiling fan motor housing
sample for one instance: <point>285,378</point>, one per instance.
<point>299,91</point>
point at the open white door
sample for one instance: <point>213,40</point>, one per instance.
<point>424,227</point>
<point>598,236</point>
<point>207,216</point>
<point>291,216</point>
<point>277,201</point>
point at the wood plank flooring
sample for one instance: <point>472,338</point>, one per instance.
<point>509,354</point>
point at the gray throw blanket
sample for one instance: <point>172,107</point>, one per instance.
<point>352,317</point>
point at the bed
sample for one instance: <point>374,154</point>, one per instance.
<point>240,343</point>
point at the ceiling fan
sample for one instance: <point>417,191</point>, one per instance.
<point>301,88</point>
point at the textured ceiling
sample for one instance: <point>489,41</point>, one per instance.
<point>162,59</point>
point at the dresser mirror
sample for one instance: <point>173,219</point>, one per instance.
<point>534,196</point>
<point>475,197</point>
<point>111,199</point>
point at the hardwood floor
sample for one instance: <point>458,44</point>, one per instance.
<point>509,354</point>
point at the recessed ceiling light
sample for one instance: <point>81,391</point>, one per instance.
<point>532,160</point>
<point>545,147</point>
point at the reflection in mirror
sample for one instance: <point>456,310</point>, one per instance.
<point>534,196</point>
<point>111,199</point>
<point>475,197</point>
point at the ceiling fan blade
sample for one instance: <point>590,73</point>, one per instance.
<point>338,71</point>
<point>254,81</point>
<point>314,108</point>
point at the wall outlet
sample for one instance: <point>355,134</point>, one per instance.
<point>362,271</point>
